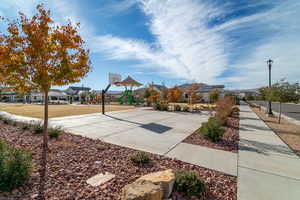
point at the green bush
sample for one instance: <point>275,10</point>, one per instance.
<point>37,127</point>
<point>157,106</point>
<point>185,109</point>
<point>140,158</point>
<point>189,184</point>
<point>177,108</point>
<point>7,120</point>
<point>212,130</point>
<point>25,126</point>
<point>54,132</point>
<point>235,109</point>
<point>15,167</point>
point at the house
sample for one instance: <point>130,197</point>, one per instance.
<point>205,91</point>
<point>139,93</point>
<point>77,93</point>
<point>54,96</point>
<point>202,91</point>
<point>248,92</point>
<point>7,94</point>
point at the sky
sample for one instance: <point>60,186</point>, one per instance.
<point>173,42</point>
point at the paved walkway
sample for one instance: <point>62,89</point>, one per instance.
<point>215,159</point>
<point>267,167</point>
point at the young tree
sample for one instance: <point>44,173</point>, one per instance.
<point>282,92</point>
<point>193,96</point>
<point>154,96</point>
<point>36,55</point>
<point>174,94</point>
<point>214,96</point>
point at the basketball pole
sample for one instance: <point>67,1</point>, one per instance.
<point>103,98</point>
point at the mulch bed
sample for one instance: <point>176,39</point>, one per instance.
<point>230,139</point>
<point>73,159</point>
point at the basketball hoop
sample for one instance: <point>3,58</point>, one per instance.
<point>114,79</point>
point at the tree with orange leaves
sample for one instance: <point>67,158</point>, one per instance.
<point>174,94</point>
<point>36,55</point>
<point>193,96</point>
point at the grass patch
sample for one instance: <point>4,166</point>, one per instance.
<point>189,184</point>
<point>15,167</point>
<point>37,111</point>
<point>140,158</point>
<point>54,132</point>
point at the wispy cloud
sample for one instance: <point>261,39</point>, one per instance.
<point>189,47</point>
<point>197,40</point>
<point>184,45</point>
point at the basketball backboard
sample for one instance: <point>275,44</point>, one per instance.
<point>114,78</point>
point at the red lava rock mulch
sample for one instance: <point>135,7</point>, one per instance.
<point>73,159</point>
<point>230,139</point>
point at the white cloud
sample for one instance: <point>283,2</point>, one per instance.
<point>184,45</point>
<point>187,48</point>
<point>282,47</point>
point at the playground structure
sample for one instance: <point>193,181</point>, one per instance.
<point>128,97</point>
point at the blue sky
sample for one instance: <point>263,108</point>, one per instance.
<point>177,41</point>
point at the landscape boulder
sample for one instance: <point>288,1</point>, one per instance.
<point>164,178</point>
<point>142,190</point>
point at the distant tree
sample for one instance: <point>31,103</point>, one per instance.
<point>92,96</point>
<point>154,94</point>
<point>192,95</point>
<point>214,96</point>
<point>83,97</point>
<point>164,93</point>
<point>263,92</point>
<point>36,54</point>
<point>282,92</point>
<point>174,94</point>
<point>249,97</point>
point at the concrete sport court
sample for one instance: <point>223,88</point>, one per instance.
<point>142,128</point>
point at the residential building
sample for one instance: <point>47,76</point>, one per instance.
<point>77,93</point>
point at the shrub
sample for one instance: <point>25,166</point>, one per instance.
<point>15,167</point>
<point>185,109</point>
<point>164,107</point>
<point>223,109</point>
<point>25,126</point>
<point>7,120</point>
<point>157,106</point>
<point>177,108</point>
<point>37,128</point>
<point>197,109</point>
<point>235,109</point>
<point>140,158</point>
<point>54,132</point>
<point>212,130</point>
<point>189,184</point>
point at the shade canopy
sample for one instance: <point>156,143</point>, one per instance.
<point>129,82</point>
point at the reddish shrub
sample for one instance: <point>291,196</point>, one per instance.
<point>223,109</point>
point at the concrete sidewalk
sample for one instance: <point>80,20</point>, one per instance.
<point>267,167</point>
<point>219,160</point>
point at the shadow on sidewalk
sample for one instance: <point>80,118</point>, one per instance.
<point>263,148</point>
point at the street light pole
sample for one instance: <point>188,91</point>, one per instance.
<point>270,62</point>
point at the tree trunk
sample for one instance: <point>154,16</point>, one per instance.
<point>279,118</point>
<point>44,153</point>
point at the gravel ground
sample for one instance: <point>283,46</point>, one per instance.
<point>73,159</point>
<point>230,139</point>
